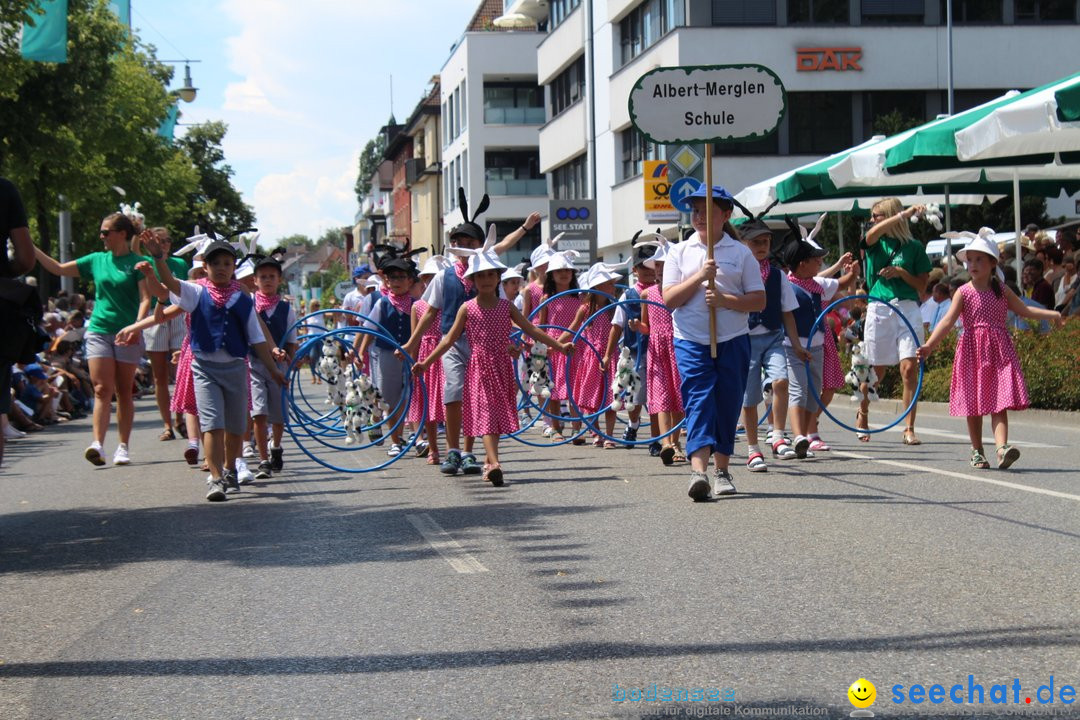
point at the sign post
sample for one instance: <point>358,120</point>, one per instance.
<point>709,104</point>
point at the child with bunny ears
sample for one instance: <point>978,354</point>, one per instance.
<point>488,407</point>
<point>559,313</point>
<point>986,378</point>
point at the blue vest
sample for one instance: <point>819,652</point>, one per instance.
<point>453,297</point>
<point>277,323</point>
<point>398,324</point>
<point>213,327</point>
<point>807,312</point>
<point>637,342</point>
<point>772,316</point>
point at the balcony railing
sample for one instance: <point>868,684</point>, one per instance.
<point>514,116</point>
<point>516,187</point>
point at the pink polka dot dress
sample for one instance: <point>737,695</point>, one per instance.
<point>832,375</point>
<point>592,389</point>
<point>986,374</point>
<point>561,312</point>
<point>662,380</point>
<point>433,377</point>
<point>183,398</point>
<point>490,389</point>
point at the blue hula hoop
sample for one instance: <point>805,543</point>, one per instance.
<point>810,380</point>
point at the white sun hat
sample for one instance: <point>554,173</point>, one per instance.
<point>982,242</point>
<point>436,264</point>
<point>483,258</point>
<point>514,273</point>
<point>602,272</point>
<point>655,240</point>
<point>562,260</point>
<point>543,252</point>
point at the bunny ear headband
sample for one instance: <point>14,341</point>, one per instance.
<point>463,203</point>
<point>133,213</point>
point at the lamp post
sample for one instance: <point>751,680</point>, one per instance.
<point>187,91</point>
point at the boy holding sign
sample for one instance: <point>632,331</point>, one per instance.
<point>695,287</point>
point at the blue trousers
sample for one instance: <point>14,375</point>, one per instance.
<point>712,392</point>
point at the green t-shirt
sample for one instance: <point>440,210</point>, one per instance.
<point>910,256</point>
<point>116,283</point>
<point>179,269</point>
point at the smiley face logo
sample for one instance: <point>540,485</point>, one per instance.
<point>862,693</point>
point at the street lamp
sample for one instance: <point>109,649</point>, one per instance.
<point>187,91</point>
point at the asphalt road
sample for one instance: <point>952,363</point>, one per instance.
<point>406,594</point>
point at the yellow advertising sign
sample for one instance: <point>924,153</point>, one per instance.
<point>658,207</point>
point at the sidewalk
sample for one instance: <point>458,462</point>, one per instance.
<point>1061,418</point>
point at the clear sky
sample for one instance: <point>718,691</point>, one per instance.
<point>302,86</point>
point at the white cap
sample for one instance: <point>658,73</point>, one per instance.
<point>562,260</point>
<point>602,272</point>
<point>436,264</point>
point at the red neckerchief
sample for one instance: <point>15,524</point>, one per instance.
<point>766,269</point>
<point>808,284</point>
<point>221,295</point>
<point>402,303</point>
<point>265,302</point>
<point>459,270</point>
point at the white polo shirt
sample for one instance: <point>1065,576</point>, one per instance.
<point>737,273</point>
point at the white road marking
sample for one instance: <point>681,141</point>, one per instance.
<point>458,557</point>
<point>920,430</point>
<point>960,476</point>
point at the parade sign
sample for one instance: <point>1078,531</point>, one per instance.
<point>576,220</point>
<point>707,103</point>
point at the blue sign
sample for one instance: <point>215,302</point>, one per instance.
<point>680,190</point>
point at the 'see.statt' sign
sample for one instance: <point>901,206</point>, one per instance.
<point>707,103</point>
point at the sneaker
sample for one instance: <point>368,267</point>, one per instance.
<point>228,479</point>
<point>699,486</point>
<point>470,466</point>
<point>722,484</point>
<point>394,450</point>
<point>191,455</point>
<point>629,436</point>
<point>216,490</point>
<point>421,448</point>
<point>244,476</point>
<point>249,450</point>
<point>452,464</point>
<point>802,444</point>
<point>264,471</point>
<point>121,457</point>
<point>277,460</point>
<point>93,454</point>
<point>655,448</point>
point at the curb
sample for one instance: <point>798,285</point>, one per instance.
<point>1050,417</point>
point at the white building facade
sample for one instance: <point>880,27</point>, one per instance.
<point>844,63</point>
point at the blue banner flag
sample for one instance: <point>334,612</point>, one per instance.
<point>45,40</point>
<point>168,125</point>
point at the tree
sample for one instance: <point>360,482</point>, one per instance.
<point>215,200</point>
<point>332,236</point>
<point>370,160</point>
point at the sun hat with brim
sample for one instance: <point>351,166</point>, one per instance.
<point>982,242</point>
<point>484,261</point>
<point>718,193</point>
<point>218,246</point>
<point>359,270</point>
<point>543,252</point>
<point>435,265</point>
<point>562,260</point>
<point>602,272</point>
<point>514,273</point>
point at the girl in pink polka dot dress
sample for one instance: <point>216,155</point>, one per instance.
<point>561,311</point>
<point>986,376</point>
<point>662,381</point>
<point>488,408</point>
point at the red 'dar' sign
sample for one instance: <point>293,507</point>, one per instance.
<point>707,103</point>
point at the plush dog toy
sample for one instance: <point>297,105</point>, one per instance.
<point>626,383</point>
<point>861,372</point>
<point>539,384</point>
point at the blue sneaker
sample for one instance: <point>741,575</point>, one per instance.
<point>654,449</point>
<point>451,464</point>
<point>629,435</point>
<point>469,465</point>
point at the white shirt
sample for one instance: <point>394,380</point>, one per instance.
<point>829,286</point>
<point>737,273</point>
<point>788,302</point>
<point>189,299</point>
<point>352,300</point>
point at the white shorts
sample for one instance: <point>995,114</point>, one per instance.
<point>169,335</point>
<point>888,339</point>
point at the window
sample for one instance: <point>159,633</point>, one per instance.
<point>568,87</point>
<point>973,11</point>
<point>513,172</point>
<point>520,103</point>
<point>646,24</point>
<point>819,123</point>
<point>569,181</point>
<point>818,12</point>
<point>892,12</point>
<point>635,150</point>
<point>908,106</point>
<point>451,129</point>
<point>559,9</point>
<point>1028,11</point>
<point>463,99</point>
<point>768,146</point>
<point>743,12</point>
